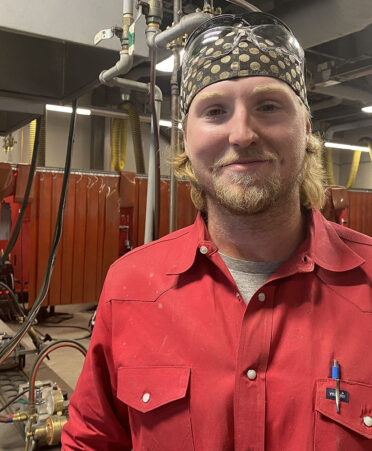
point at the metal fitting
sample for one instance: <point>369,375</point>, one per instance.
<point>155,14</point>
<point>20,416</point>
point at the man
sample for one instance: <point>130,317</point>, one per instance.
<point>225,335</point>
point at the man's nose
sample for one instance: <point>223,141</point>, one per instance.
<point>242,131</point>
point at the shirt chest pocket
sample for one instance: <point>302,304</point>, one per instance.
<point>351,428</point>
<point>158,402</point>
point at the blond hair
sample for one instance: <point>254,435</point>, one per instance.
<point>312,191</point>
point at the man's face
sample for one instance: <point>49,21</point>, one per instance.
<point>246,140</point>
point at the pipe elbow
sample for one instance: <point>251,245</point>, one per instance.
<point>151,33</point>
<point>122,67</point>
<point>157,93</point>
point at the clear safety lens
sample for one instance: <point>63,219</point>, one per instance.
<point>266,37</point>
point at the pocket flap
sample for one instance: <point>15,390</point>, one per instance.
<point>145,389</point>
<point>353,412</point>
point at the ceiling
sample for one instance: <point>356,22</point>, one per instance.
<point>336,35</point>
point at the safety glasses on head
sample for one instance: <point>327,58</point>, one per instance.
<point>265,31</point>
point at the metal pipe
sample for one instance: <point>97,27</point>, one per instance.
<point>347,126</point>
<point>122,67</point>
<point>345,92</point>
<point>152,222</point>
<point>125,63</point>
<point>173,213</point>
<point>187,24</point>
<point>135,86</point>
<point>128,7</point>
<point>245,5</point>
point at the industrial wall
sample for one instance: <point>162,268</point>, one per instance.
<point>56,143</point>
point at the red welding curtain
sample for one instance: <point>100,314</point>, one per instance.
<point>90,237</point>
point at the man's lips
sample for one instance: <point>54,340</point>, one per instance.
<point>244,164</point>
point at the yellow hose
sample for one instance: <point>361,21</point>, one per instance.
<point>118,137</point>
<point>32,139</point>
<point>329,166</point>
<point>42,141</point>
<point>136,136</point>
<point>354,169</point>
<point>119,133</point>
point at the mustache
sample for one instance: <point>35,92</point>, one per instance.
<point>244,156</point>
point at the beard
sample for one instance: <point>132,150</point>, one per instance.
<point>251,193</point>
<point>245,195</point>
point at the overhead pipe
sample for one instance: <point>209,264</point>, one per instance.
<point>125,63</point>
<point>245,5</point>
<point>186,25</point>
<point>343,91</point>
<point>347,126</point>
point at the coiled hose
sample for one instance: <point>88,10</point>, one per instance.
<point>119,135</point>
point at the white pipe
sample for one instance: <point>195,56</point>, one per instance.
<point>347,126</point>
<point>122,67</point>
<point>128,7</point>
<point>150,201</point>
<point>245,5</point>
<point>187,24</point>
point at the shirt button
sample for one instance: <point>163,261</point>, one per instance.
<point>251,374</point>
<point>146,397</point>
<point>261,297</point>
<point>367,421</point>
<point>203,249</point>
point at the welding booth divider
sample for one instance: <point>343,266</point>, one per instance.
<point>103,210</point>
<point>91,235</point>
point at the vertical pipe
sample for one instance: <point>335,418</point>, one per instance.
<point>128,7</point>
<point>153,184</point>
<point>175,120</point>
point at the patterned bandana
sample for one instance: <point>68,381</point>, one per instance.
<point>214,64</point>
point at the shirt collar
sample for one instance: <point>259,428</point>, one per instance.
<point>326,247</point>
<point>322,246</point>
<point>198,240</point>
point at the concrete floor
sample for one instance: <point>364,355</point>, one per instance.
<point>64,366</point>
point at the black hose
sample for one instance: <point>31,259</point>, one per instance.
<point>52,255</point>
<point>13,299</point>
<point>26,196</point>
<point>13,400</point>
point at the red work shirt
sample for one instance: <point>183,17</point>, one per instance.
<point>177,360</point>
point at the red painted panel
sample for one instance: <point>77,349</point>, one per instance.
<point>67,244</point>
<point>111,238</point>
<point>34,241</point>
<point>186,211</point>
<point>91,239</point>
<point>54,295</point>
<point>45,226</point>
<point>360,211</point>
<point>164,208</point>
<point>79,234</point>
<point>100,232</point>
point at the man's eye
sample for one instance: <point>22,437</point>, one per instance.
<point>213,112</point>
<point>268,107</point>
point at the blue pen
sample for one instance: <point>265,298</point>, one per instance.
<point>336,377</point>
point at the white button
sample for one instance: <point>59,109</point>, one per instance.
<point>251,374</point>
<point>261,297</point>
<point>203,249</point>
<point>237,295</point>
<point>367,421</point>
<point>146,397</point>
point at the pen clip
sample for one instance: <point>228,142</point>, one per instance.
<point>336,377</point>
